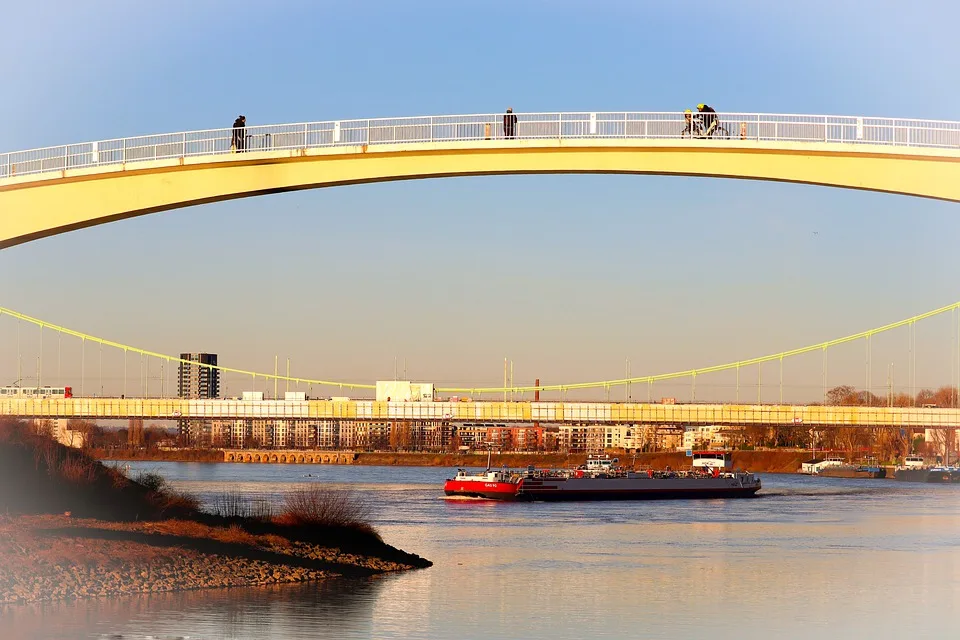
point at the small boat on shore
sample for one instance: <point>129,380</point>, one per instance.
<point>601,479</point>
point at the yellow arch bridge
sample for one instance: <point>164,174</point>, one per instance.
<point>48,191</point>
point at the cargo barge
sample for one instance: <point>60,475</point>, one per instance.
<point>601,479</point>
<point>915,469</point>
<point>930,475</point>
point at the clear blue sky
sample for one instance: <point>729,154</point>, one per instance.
<point>343,280</point>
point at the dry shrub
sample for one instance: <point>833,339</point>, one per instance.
<point>48,452</point>
<point>235,534</point>
<point>262,509</point>
<point>167,501</point>
<point>230,504</point>
<point>173,502</point>
<point>117,475</point>
<point>152,481</point>
<point>273,540</point>
<point>234,504</point>
<point>78,471</point>
<point>321,506</point>
<point>119,481</point>
<point>185,528</point>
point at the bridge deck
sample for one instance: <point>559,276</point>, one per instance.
<point>48,191</point>
<point>506,412</point>
<point>125,153</point>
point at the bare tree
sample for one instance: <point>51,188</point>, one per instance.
<point>902,400</point>
<point>888,444</point>
<point>81,433</point>
<point>844,395</point>
<point>45,428</point>
<point>853,438</point>
<point>135,432</point>
<point>945,397</point>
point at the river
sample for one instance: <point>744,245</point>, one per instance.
<point>811,557</point>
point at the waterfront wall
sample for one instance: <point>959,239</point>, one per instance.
<point>289,457</point>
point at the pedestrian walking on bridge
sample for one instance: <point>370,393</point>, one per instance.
<point>239,133</point>
<point>510,124</point>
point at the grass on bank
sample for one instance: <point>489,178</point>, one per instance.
<point>41,476</point>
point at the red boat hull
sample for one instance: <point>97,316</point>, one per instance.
<point>480,489</point>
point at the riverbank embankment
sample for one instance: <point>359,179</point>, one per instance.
<point>767,461</point>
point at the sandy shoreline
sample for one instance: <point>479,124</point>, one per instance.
<point>46,558</point>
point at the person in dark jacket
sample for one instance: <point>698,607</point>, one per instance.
<point>510,124</point>
<point>239,132</point>
<point>709,118</point>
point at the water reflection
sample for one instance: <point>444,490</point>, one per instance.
<point>813,558</point>
<point>332,609</point>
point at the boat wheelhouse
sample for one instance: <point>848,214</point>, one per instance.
<point>913,462</point>
<point>712,459</point>
<point>598,463</point>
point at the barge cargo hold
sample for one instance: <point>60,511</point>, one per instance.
<point>852,471</point>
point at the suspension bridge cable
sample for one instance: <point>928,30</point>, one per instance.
<point>562,388</point>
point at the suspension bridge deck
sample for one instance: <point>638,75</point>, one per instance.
<point>515,412</point>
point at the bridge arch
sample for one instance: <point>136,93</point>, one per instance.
<point>102,184</point>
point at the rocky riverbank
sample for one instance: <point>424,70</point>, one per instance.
<point>45,558</point>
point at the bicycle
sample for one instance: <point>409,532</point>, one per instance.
<point>719,131</point>
<point>695,129</point>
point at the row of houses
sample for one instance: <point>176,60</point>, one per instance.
<point>362,435</point>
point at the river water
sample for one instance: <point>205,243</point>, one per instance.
<point>810,558</point>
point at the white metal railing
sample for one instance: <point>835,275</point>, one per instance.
<point>529,126</point>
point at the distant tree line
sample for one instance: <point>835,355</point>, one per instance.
<point>884,443</point>
<point>849,396</point>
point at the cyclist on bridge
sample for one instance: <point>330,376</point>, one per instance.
<point>708,118</point>
<point>689,127</point>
